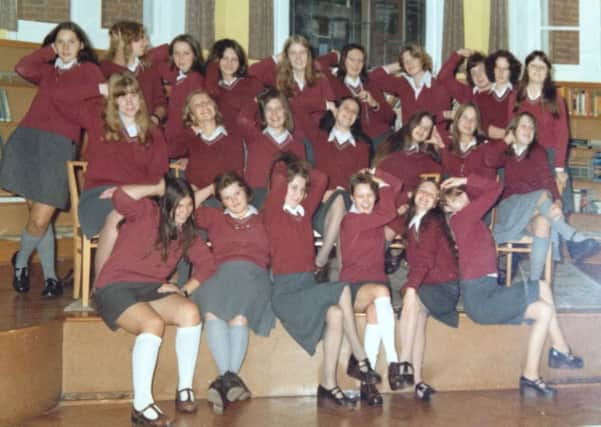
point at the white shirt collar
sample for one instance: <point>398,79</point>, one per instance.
<point>281,138</point>
<point>180,75</point>
<point>532,96</point>
<point>476,90</point>
<point>341,137</point>
<point>353,82</point>
<point>219,130</point>
<point>131,130</point>
<point>298,210</point>
<point>501,92</point>
<point>58,63</point>
<point>417,220</point>
<point>230,83</point>
<point>354,209</point>
<point>426,81</point>
<point>465,147</point>
<point>519,150</point>
<point>133,67</point>
<point>300,83</point>
<point>250,211</point>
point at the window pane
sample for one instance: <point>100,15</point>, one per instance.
<point>560,13</point>
<point>562,46</point>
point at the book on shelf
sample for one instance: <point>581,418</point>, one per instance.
<point>585,102</point>
<point>5,115</point>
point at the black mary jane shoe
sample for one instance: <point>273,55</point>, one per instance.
<point>395,380</point>
<point>362,370</point>
<point>52,288</point>
<point>406,373</point>
<point>536,388</point>
<point>559,360</point>
<point>424,391</point>
<point>217,395</point>
<point>21,280</point>
<point>371,395</point>
<point>162,420</point>
<point>334,398</point>
<point>579,251</point>
<point>234,387</point>
<point>393,257</point>
<point>187,405</point>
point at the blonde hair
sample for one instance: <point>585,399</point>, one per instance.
<point>121,85</point>
<point>121,35</point>
<point>416,51</point>
<point>285,77</point>
<point>188,115</point>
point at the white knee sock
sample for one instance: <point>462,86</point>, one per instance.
<point>187,340</point>
<point>144,359</point>
<point>386,321</point>
<point>371,342</point>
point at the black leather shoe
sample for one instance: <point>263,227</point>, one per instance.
<point>234,387</point>
<point>216,395</point>
<point>579,251</point>
<point>406,374</point>
<point>371,395</point>
<point>189,404</point>
<point>161,420</point>
<point>393,259</point>
<point>362,370</point>
<point>537,388</point>
<point>424,391</point>
<point>322,274</point>
<point>334,398</point>
<point>21,280</point>
<point>559,360</point>
<point>395,381</point>
<point>53,288</point>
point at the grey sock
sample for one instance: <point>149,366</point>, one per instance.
<point>538,256</point>
<point>28,245</point>
<point>219,343</point>
<point>46,253</point>
<point>559,224</point>
<point>238,346</point>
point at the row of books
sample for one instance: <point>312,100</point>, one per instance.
<point>582,101</point>
<point>5,115</point>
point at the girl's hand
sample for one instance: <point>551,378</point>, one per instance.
<point>168,288</point>
<point>509,138</point>
<point>453,182</point>
<point>108,193</point>
<point>448,114</point>
<point>435,139</point>
<point>465,52</point>
<point>103,88</point>
<point>182,163</point>
<point>410,297</point>
<point>402,210</point>
<point>330,106</point>
<point>160,186</point>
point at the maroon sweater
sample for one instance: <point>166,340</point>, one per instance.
<point>475,245</point>
<point>148,78</point>
<point>430,255</point>
<point>234,239</point>
<point>207,159</point>
<point>262,148</point>
<point>39,69</point>
<point>529,173</point>
<point>230,99</point>
<point>553,133</point>
<point>462,92</point>
<point>339,162</point>
<point>291,236</point>
<point>362,240</point>
<point>125,161</point>
<point>373,122</point>
<point>135,257</point>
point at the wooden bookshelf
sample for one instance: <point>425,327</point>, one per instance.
<point>583,101</point>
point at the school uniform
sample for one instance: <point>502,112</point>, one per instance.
<point>461,92</point>
<point>484,301</point>
<point>34,157</point>
<point>209,155</point>
<point>241,285</point>
<point>135,269</point>
<point>482,158</point>
<point>298,301</point>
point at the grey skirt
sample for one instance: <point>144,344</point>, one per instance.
<point>92,211</point>
<point>487,303</point>
<point>113,299</point>
<point>301,304</point>
<point>441,301</point>
<point>319,217</point>
<point>34,166</point>
<point>238,288</point>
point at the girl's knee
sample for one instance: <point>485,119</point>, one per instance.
<point>239,320</point>
<point>334,314</point>
<point>189,314</point>
<point>541,226</point>
<point>372,316</point>
<point>154,325</point>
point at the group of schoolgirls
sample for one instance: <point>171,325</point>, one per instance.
<point>295,136</point>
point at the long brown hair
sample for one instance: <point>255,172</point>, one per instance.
<point>513,125</point>
<point>265,97</point>
<point>121,35</point>
<point>549,95</point>
<point>455,134</point>
<point>285,77</point>
<point>87,53</point>
<point>121,84</point>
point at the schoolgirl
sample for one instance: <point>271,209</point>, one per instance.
<point>124,147</point>
<point>467,200</point>
<point>228,81</point>
<point>475,74</point>
<point>432,286</point>
<point>295,74</point>
<point>34,157</point>
<point>238,295</point>
<point>309,311</point>
<point>531,202</point>
<point>362,247</point>
<point>128,50</point>
<point>340,151</point>
<point>348,76</point>
<point>132,293</point>
<point>209,144</point>
<point>266,136</point>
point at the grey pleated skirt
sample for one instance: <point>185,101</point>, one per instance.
<point>238,288</point>
<point>34,166</point>
<point>514,215</point>
<point>92,210</point>
<point>301,304</point>
<point>319,217</point>
<point>441,301</point>
<point>113,299</point>
<point>486,302</point>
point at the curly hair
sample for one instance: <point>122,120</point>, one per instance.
<point>219,48</point>
<point>122,34</point>
<point>515,67</point>
<point>418,52</point>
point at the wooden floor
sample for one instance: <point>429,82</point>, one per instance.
<point>572,407</point>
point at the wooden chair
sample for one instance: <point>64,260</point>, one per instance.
<point>82,246</point>
<point>430,177</point>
